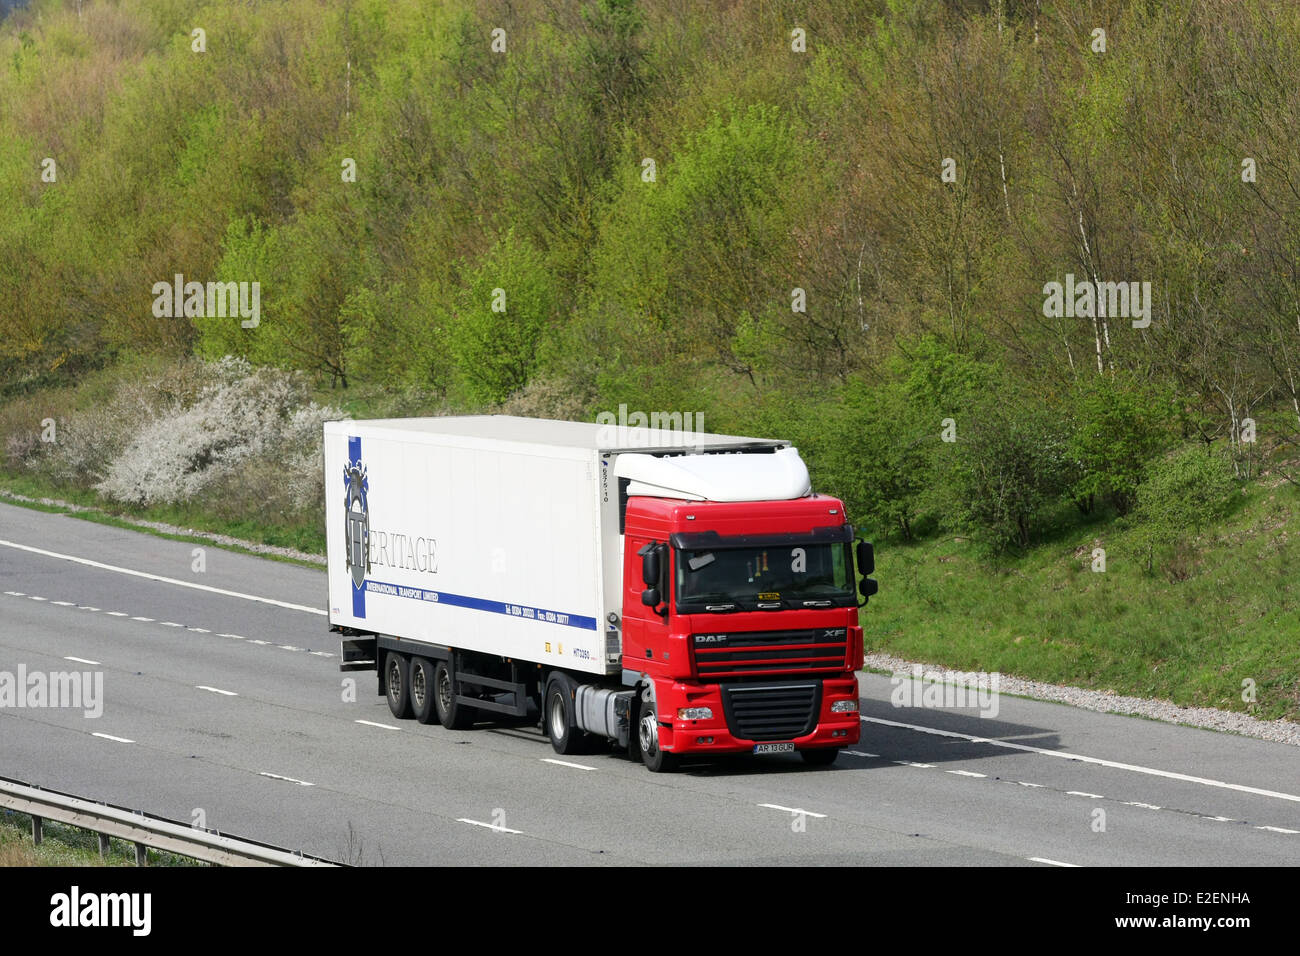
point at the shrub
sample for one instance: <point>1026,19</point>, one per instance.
<point>1182,493</point>
<point>246,416</point>
<point>1119,426</point>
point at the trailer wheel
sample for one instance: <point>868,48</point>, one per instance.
<point>423,683</point>
<point>557,715</point>
<point>451,714</point>
<point>647,733</point>
<point>397,685</point>
<point>822,757</point>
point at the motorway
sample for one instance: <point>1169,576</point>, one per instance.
<point>223,703</point>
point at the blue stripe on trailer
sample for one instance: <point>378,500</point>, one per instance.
<point>525,611</point>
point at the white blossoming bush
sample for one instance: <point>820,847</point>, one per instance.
<point>248,423</point>
<point>90,440</point>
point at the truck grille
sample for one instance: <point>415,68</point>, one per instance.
<point>771,711</point>
<point>749,653</point>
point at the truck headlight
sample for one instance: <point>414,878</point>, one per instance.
<point>694,713</point>
<point>844,707</point>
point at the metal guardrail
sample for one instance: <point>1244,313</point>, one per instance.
<point>144,830</point>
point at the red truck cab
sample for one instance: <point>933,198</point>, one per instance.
<point>741,623</point>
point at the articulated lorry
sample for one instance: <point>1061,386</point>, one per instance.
<point>678,594</point>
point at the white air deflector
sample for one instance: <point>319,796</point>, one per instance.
<point>777,476</point>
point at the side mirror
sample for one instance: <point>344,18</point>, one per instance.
<point>868,587</point>
<point>650,568</point>
<point>650,597</point>
<point>866,558</point>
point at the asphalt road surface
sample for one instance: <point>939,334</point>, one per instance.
<point>223,705</point>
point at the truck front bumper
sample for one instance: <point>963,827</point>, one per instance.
<point>739,724</point>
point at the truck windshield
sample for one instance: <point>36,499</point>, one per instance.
<point>786,576</point>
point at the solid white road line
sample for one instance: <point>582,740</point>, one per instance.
<point>1043,859</point>
<point>82,660</point>
<point>806,813</point>
<point>276,776</point>
<point>216,690</point>
<point>565,763</point>
<point>371,723</point>
<point>165,580</point>
<point>487,826</point>
<point>1080,793</point>
<point>1097,761</point>
<point>120,740</point>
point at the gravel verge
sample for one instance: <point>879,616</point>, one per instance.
<point>1278,731</point>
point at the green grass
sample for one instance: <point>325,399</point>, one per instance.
<point>194,515</point>
<point>1221,612</point>
<point>68,846</point>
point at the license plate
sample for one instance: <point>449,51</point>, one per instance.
<point>773,748</point>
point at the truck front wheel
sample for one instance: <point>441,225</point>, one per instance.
<point>397,685</point>
<point>656,759</point>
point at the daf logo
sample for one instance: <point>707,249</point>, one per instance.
<point>710,638</point>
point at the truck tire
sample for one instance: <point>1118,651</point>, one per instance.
<point>822,757</point>
<point>397,685</point>
<point>423,683</point>
<point>557,715</point>
<point>647,730</point>
<point>451,714</point>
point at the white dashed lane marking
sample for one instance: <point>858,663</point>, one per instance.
<point>164,580</point>
<point>1081,758</point>
<point>806,813</point>
<point>371,723</point>
<point>487,826</point>
<point>276,776</point>
<point>120,740</point>
<point>149,620</point>
<point>82,660</point>
<point>565,763</point>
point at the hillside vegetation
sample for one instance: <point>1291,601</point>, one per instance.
<point>890,230</point>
